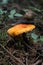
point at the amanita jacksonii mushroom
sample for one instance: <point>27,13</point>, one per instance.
<point>19,29</point>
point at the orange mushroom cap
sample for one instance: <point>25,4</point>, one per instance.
<point>20,28</point>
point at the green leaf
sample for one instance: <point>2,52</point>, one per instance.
<point>34,8</point>
<point>11,16</point>
<point>41,38</point>
<point>19,15</point>
<point>12,12</point>
<point>1,11</point>
<point>4,1</point>
<point>34,36</point>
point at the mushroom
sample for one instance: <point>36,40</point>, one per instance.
<point>18,31</point>
<point>20,28</point>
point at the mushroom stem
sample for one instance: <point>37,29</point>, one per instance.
<point>26,42</point>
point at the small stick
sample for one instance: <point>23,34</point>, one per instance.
<point>36,58</point>
<point>26,59</point>
<point>39,61</point>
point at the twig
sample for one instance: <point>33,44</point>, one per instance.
<point>42,63</point>
<point>39,61</point>
<point>36,58</point>
<point>33,3</point>
<point>26,59</point>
